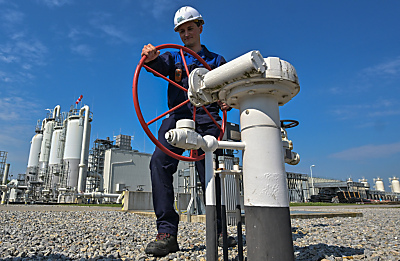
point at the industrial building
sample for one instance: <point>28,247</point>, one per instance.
<point>62,169</point>
<point>349,191</point>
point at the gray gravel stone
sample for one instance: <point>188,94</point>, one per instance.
<point>115,235</point>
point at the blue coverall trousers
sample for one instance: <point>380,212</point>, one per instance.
<point>163,167</point>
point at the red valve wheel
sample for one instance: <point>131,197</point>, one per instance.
<point>145,125</point>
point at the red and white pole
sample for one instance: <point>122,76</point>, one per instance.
<point>78,100</point>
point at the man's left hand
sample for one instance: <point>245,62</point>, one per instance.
<point>224,106</point>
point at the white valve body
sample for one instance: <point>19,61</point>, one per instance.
<point>249,74</point>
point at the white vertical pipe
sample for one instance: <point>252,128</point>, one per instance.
<point>211,210</point>
<point>210,179</point>
<point>56,112</point>
<point>82,165</point>
<point>269,235</point>
<point>5,176</point>
<point>263,162</point>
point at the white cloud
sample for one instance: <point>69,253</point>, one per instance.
<point>55,3</point>
<point>15,108</point>
<point>384,76</point>
<point>112,31</point>
<point>104,22</point>
<point>389,68</point>
<point>384,113</point>
<point>160,7</point>
<point>7,58</point>
<point>34,50</point>
<point>371,110</point>
<point>368,152</point>
<point>23,52</point>
<point>4,77</point>
<point>76,34</point>
<point>7,137</point>
<point>11,17</point>
<point>82,49</point>
<point>17,35</point>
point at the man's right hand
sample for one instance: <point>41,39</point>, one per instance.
<point>151,52</point>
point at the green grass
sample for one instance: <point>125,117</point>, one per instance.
<point>298,204</point>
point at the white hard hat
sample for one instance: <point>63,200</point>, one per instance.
<point>186,14</point>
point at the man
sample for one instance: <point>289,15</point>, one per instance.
<point>189,24</point>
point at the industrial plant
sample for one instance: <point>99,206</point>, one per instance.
<point>62,168</point>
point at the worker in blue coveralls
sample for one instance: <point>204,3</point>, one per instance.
<point>189,24</point>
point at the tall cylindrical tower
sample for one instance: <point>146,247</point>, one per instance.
<point>395,186</point>
<point>45,148</point>
<point>379,186</point>
<point>33,160</point>
<point>46,143</point>
<point>56,156</point>
<point>73,146</point>
<point>364,181</point>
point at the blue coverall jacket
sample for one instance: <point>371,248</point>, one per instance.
<point>162,166</point>
<point>168,63</point>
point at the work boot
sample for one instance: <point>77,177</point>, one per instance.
<point>163,245</point>
<point>230,240</point>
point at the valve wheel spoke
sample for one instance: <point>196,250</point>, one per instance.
<point>193,153</point>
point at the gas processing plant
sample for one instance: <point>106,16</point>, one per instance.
<point>57,168</point>
<point>62,169</point>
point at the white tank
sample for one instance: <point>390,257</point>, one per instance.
<point>46,142</point>
<point>379,186</point>
<point>33,160</point>
<point>45,147</point>
<point>36,142</point>
<point>72,150</point>
<point>73,147</point>
<point>57,146</point>
<point>364,181</point>
<point>395,186</point>
<point>56,155</point>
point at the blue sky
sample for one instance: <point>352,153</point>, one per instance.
<point>346,54</point>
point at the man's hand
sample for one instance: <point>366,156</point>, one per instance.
<point>223,106</point>
<point>151,52</point>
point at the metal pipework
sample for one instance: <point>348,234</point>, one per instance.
<point>84,151</point>
<point>185,137</point>
<point>221,166</point>
<point>291,157</point>
<point>257,87</point>
<point>5,176</point>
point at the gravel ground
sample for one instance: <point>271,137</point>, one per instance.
<point>115,235</point>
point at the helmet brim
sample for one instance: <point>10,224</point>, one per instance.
<point>188,20</point>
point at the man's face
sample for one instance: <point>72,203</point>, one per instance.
<point>190,33</point>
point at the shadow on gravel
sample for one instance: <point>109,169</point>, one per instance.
<point>61,257</point>
<point>297,233</point>
<point>326,225</point>
<point>195,248</point>
<point>320,251</point>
